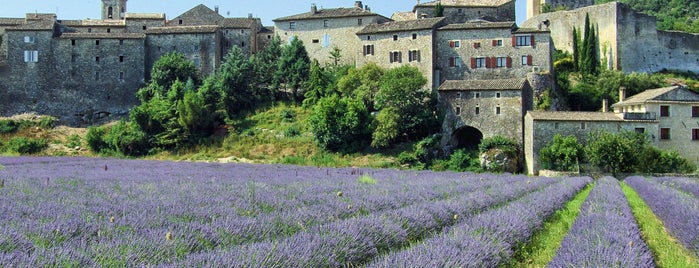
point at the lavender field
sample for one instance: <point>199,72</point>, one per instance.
<point>77,212</point>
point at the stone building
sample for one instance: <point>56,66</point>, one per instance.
<point>676,109</point>
<point>537,7</point>
<point>628,41</point>
<point>323,30</point>
<point>83,70</point>
<point>460,11</point>
<point>477,109</point>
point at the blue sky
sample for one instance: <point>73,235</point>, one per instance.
<point>267,10</point>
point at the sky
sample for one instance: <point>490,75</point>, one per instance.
<point>267,10</point>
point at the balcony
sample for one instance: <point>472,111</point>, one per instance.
<point>641,116</point>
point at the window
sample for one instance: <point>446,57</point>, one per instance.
<point>292,25</point>
<point>326,40</point>
<point>583,125</point>
<point>395,37</point>
<point>555,125</point>
<point>121,42</point>
<point>458,110</point>
<point>315,41</point>
<point>497,95</point>
<point>501,62</point>
<point>524,40</point>
<point>31,56</point>
<point>695,134</point>
<point>497,110</point>
<point>414,36</point>
<point>73,58</point>
<point>460,11</point>
<point>477,45</point>
<point>121,75</point>
<point>455,43</point>
<point>497,43</point>
<point>478,110</point>
<point>478,95</point>
<point>325,23</point>
<point>97,75</point>
<point>664,133</point>
<point>458,95</point>
<point>695,111</point>
<point>72,42</point>
<point>121,58</point>
<point>269,37</point>
<point>359,21</point>
<point>242,31</point>
<point>664,110</point>
<point>97,59</point>
<point>89,30</point>
<point>480,63</point>
<point>395,57</point>
<point>180,22</point>
<point>455,62</point>
<point>109,30</point>
<point>97,42</point>
<point>527,60</point>
<point>145,27</point>
<point>242,44</point>
<point>368,37</point>
<point>414,55</point>
<point>368,50</point>
<point>29,39</point>
<point>640,130</point>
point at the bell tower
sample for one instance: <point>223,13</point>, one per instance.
<point>113,9</point>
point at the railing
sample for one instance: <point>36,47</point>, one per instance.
<point>640,116</point>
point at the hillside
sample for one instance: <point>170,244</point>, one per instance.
<point>677,15</point>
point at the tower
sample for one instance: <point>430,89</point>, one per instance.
<point>113,9</point>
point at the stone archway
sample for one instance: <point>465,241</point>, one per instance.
<point>466,137</point>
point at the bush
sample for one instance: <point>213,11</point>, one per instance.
<point>292,131</point>
<point>74,141</point>
<point>128,139</point>
<point>498,142</point>
<point>23,145</point>
<point>462,160</point>
<point>562,154</point>
<point>8,126</point>
<point>47,122</point>
<point>407,159</point>
<point>340,124</point>
<point>95,139</point>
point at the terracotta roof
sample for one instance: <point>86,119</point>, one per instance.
<point>575,116</point>
<point>239,23</point>
<point>401,16</point>
<point>145,16</point>
<point>480,24</point>
<point>103,36</point>
<point>330,13</point>
<point>654,95</point>
<point>11,21</point>
<point>398,26</point>
<point>183,29</point>
<point>465,3</point>
<point>40,25</point>
<point>472,85</point>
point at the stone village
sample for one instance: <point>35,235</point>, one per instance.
<point>486,69</point>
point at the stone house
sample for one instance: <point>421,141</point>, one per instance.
<point>397,43</point>
<point>676,111</point>
<point>323,30</point>
<point>540,127</point>
<point>460,11</point>
<point>477,109</point>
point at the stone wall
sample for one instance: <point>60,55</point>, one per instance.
<point>341,33</point>
<point>681,123</point>
<point>540,53</point>
<point>534,7</point>
<point>245,39</point>
<point>203,48</point>
<point>628,40</point>
<point>454,15</point>
<point>384,44</point>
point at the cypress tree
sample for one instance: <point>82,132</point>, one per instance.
<point>576,49</point>
<point>594,63</point>
<point>438,10</point>
<point>585,59</point>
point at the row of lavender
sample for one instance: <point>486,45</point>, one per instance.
<point>675,203</point>
<point>129,213</point>
<point>605,234</point>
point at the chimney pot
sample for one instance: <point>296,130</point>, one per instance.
<point>605,105</point>
<point>367,8</point>
<point>314,9</point>
<point>216,9</point>
<point>622,94</point>
<point>249,15</point>
<point>358,4</point>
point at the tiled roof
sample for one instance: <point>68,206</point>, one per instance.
<point>239,23</point>
<point>103,36</point>
<point>40,25</point>
<point>11,21</point>
<point>183,29</point>
<point>40,16</point>
<point>145,16</point>
<point>531,30</point>
<point>479,24</point>
<point>494,84</point>
<point>575,116</point>
<point>465,3</point>
<point>398,26</point>
<point>401,16</point>
<point>198,15</point>
<point>651,95</point>
<point>96,23</point>
<point>330,13</point>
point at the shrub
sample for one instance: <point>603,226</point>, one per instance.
<point>74,141</point>
<point>292,131</point>
<point>95,139</point>
<point>47,122</point>
<point>288,115</point>
<point>462,160</point>
<point>562,153</point>
<point>498,142</point>
<point>128,139</point>
<point>8,126</point>
<point>25,145</point>
<point>407,159</point>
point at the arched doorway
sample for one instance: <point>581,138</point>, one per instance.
<point>467,137</point>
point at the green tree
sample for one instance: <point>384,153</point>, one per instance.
<point>562,153</point>
<point>318,85</point>
<point>363,83</point>
<point>402,92</point>
<point>166,70</point>
<point>293,68</point>
<point>265,64</point>
<point>126,138</point>
<point>611,152</point>
<point>438,10</point>
<point>336,55</point>
<point>576,49</point>
<point>234,80</point>
<point>340,124</point>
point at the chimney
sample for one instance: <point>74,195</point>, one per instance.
<point>216,9</point>
<point>249,15</point>
<point>605,105</point>
<point>358,4</point>
<point>622,94</point>
<point>314,9</point>
<point>418,2</point>
<point>367,8</point>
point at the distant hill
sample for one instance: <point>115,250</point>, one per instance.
<point>677,15</point>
